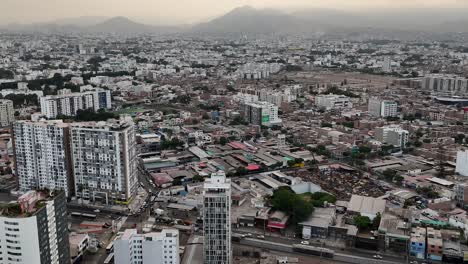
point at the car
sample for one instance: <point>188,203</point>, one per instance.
<point>248,235</point>
<point>377,257</point>
<point>305,242</point>
<point>261,237</point>
<point>97,211</point>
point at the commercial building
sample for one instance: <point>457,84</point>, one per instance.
<point>382,108</point>
<point>42,153</point>
<point>261,114</point>
<point>150,248</point>
<point>366,206</point>
<point>418,243</point>
<point>217,219</point>
<point>462,163</point>
<point>7,112</point>
<point>68,103</point>
<point>393,135</point>
<point>445,84</point>
<point>333,101</point>
<point>104,160</point>
<point>33,229</point>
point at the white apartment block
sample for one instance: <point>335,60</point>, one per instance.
<point>382,108</point>
<point>445,84</point>
<point>42,155</point>
<point>151,248</point>
<point>462,163</point>
<point>7,112</point>
<point>333,101</point>
<point>104,160</point>
<point>261,113</point>
<point>37,232</point>
<point>217,219</point>
<point>68,104</point>
<point>393,135</point>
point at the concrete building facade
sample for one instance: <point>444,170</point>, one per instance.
<point>217,247</point>
<point>150,248</point>
<point>43,155</point>
<point>33,230</point>
<point>104,160</point>
<point>7,112</point>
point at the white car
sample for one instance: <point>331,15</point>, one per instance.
<point>377,257</point>
<point>97,211</point>
<point>261,237</point>
<point>305,242</point>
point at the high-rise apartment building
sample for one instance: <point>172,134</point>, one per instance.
<point>393,135</point>
<point>445,84</point>
<point>68,103</point>
<point>33,229</point>
<point>150,248</point>
<point>42,153</point>
<point>261,114</point>
<point>104,160</point>
<point>462,163</point>
<point>217,219</point>
<point>382,108</point>
<point>7,112</point>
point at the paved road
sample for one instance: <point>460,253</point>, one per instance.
<point>351,252</point>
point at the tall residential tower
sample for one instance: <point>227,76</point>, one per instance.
<point>217,219</point>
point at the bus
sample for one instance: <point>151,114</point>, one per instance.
<point>90,216</point>
<point>76,214</point>
<point>84,215</point>
<point>109,259</point>
<point>311,250</point>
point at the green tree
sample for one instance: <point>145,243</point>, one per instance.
<point>295,206</point>
<point>362,222</point>
<point>376,221</point>
<point>223,141</point>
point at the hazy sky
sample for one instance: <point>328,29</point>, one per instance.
<point>180,11</point>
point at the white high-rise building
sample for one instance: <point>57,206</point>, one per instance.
<point>382,108</point>
<point>104,160</point>
<point>462,163</point>
<point>217,219</point>
<point>33,229</point>
<point>42,155</point>
<point>393,135</point>
<point>7,112</point>
<point>445,84</point>
<point>68,104</point>
<point>387,65</point>
<point>150,248</point>
<point>261,113</point>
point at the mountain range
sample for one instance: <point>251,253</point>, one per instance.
<point>250,20</point>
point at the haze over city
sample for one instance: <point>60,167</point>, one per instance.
<point>233,131</point>
<point>188,11</point>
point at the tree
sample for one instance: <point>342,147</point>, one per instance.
<point>198,178</point>
<point>376,221</point>
<point>362,222</point>
<point>240,171</point>
<point>295,206</point>
<point>223,141</point>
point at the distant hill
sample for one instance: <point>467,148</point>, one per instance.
<point>250,20</point>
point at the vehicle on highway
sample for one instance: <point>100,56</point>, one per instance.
<point>261,237</point>
<point>97,211</point>
<point>377,257</point>
<point>305,242</point>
